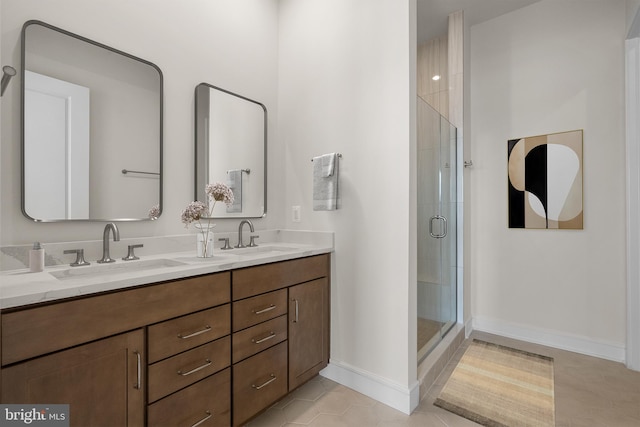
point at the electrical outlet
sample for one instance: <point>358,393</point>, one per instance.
<point>295,213</point>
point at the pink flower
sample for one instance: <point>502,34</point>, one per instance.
<point>154,212</point>
<point>220,193</point>
<point>193,212</point>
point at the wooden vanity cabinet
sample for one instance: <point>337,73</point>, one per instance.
<point>91,353</point>
<point>212,350</point>
<point>280,315</point>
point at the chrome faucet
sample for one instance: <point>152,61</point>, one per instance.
<point>243,222</point>
<point>106,258</point>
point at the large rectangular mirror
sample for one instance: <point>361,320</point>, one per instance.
<point>91,129</point>
<point>231,147</point>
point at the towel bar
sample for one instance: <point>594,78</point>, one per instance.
<point>126,171</point>
<point>247,171</point>
<point>339,155</point>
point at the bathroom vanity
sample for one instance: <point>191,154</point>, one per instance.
<point>209,349</point>
<point>170,339</point>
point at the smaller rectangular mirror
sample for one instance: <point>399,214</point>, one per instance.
<point>231,147</point>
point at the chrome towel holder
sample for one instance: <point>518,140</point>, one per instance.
<point>126,171</point>
<point>338,154</point>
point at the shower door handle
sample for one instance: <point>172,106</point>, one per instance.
<point>444,227</point>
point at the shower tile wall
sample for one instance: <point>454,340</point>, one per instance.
<point>433,59</point>
<point>455,57</point>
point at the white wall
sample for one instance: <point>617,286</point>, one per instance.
<point>632,8</point>
<point>226,43</point>
<point>551,67</point>
<point>347,84</point>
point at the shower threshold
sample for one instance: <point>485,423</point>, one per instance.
<point>430,333</point>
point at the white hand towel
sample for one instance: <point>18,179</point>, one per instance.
<point>325,182</point>
<point>234,181</point>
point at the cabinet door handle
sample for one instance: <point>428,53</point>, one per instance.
<point>184,374</point>
<point>264,310</point>
<point>269,381</point>
<point>207,328</point>
<point>261,340</point>
<point>209,415</point>
<point>139,369</point>
<point>295,320</point>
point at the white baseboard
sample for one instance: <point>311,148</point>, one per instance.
<point>551,338</point>
<point>468,327</point>
<point>391,394</point>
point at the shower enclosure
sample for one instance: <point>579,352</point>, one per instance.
<point>437,227</point>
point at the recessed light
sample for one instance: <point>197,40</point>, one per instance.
<point>436,77</point>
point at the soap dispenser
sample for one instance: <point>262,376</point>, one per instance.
<point>36,258</point>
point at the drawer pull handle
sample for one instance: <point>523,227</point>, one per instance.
<point>139,368</point>
<point>264,310</point>
<point>199,368</point>
<point>272,379</point>
<point>261,340</point>
<point>209,415</point>
<point>207,328</point>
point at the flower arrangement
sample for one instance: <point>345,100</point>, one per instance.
<point>154,212</point>
<point>198,211</point>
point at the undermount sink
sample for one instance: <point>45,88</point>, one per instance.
<point>261,249</point>
<point>115,268</point>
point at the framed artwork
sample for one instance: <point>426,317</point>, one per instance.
<point>545,181</point>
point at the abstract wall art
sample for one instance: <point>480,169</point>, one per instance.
<point>545,181</point>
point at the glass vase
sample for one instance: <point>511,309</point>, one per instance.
<point>204,240</point>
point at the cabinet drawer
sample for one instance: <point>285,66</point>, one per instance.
<point>186,368</point>
<point>34,331</point>
<point>256,280</point>
<point>259,337</point>
<point>258,382</point>
<point>252,311</point>
<point>177,335</point>
<point>208,401</point>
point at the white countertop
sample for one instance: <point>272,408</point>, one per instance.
<point>21,287</point>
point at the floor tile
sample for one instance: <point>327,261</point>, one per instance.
<point>589,392</point>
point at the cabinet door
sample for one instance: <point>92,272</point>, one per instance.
<point>308,330</point>
<point>102,381</point>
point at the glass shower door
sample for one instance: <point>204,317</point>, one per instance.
<point>437,225</point>
<point>448,209</point>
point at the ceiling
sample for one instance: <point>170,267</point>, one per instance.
<point>432,14</point>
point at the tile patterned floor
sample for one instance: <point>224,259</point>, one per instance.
<point>589,392</point>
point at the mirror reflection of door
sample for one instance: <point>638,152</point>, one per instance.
<point>78,174</point>
<point>57,155</point>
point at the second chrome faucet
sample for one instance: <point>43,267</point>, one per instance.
<point>252,237</point>
<point>111,227</point>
